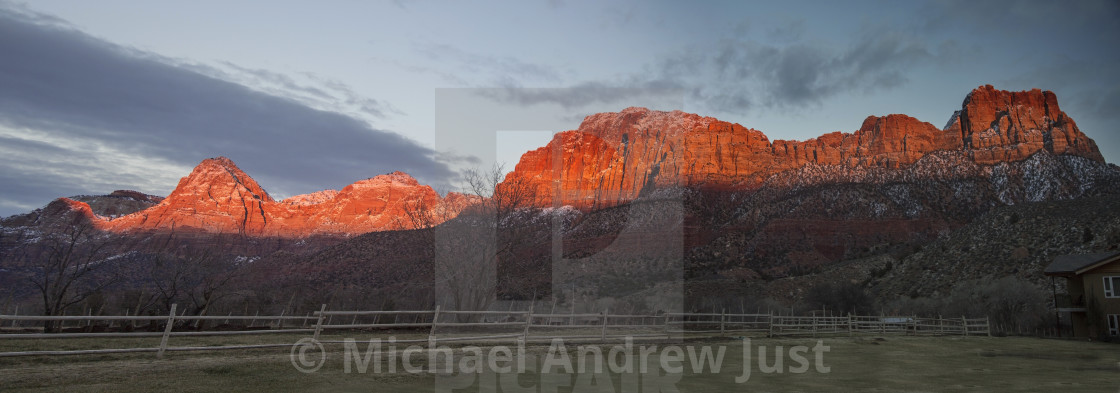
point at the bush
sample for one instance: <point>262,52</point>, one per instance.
<point>1011,304</point>
<point>842,297</point>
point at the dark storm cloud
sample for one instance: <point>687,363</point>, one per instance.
<point>62,90</point>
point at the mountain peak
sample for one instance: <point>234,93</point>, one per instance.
<point>219,160</point>
<point>220,171</point>
<point>999,125</point>
<point>218,197</point>
<point>398,176</point>
<point>615,157</point>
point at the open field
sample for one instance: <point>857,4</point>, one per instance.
<point>868,363</point>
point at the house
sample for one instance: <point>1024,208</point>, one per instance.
<point>1091,304</point>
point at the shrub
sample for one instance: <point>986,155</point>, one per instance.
<point>842,297</point>
<point>1012,304</point>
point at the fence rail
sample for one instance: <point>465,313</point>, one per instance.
<point>524,326</point>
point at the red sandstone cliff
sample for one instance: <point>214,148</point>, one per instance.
<point>218,197</point>
<point>613,157</point>
<point>997,125</point>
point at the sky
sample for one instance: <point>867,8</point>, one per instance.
<point>305,96</point>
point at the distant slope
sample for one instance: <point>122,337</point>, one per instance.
<point>1008,241</point>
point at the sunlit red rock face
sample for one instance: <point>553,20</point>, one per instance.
<point>217,197</point>
<point>997,125</point>
<point>614,157</point>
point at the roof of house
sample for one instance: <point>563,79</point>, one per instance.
<point>1066,265</point>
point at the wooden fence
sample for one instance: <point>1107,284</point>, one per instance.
<point>486,326</point>
<point>851,324</point>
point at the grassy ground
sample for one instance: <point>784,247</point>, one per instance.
<point>891,363</point>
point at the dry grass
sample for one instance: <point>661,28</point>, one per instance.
<point>863,363</point>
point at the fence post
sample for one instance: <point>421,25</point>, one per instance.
<point>432,332</point>
<point>964,324</point>
<point>112,322</point>
<point>319,322</point>
<point>16,321</point>
<point>528,323</point>
<point>603,335</point>
<point>849,324</point>
<point>551,312</point>
<point>988,325</point>
<point>167,331</point>
<point>667,334</point>
<point>572,314</point>
<point>770,321</point>
<point>722,321</point>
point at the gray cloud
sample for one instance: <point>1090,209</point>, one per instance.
<point>503,71</point>
<point>1089,91</point>
<point>81,115</point>
<point>1088,87</point>
<point>584,94</point>
<point>315,91</point>
<point>1047,22</point>
<point>738,75</point>
<point>791,31</point>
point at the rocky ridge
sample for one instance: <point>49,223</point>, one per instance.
<point>616,157</point>
<point>1000,148</point>
<point>217,197</point>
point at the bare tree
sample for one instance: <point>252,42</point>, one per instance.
<point>502,196</point>
<point>422,213</point>
<point>195,273</point>
<point>69,265</point>
<point>468,247</point>
<point>210,279</point>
